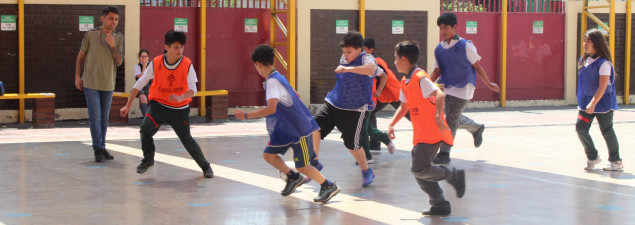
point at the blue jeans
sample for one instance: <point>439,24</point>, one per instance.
<point>98,104</point>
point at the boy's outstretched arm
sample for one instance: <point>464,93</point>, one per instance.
<point>272,104</point>
<point>481,73</point>
<point>400,113</point>
<point>368,69</point>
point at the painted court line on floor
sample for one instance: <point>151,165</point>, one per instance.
<point>379,212</point>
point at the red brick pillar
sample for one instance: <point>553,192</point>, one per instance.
<point>216,107</point>
<point>43,113</point>
<point>117,104</point>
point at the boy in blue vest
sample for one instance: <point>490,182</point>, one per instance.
<point>347,105</point>
<point>290,125</point>
<point>456,66</point>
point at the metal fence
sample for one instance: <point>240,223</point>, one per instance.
<point>253,4</point>
<point>534,6</point>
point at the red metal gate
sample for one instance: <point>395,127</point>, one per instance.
<point>535,61</point>
<point>228,45</point>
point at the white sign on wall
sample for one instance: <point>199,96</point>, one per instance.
<point>341,26</point>
<point>180,24</point>
<point>8,22</point>
<point>86,23</point>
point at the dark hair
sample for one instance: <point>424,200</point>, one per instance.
<point>142,51</point>
<point>599,44</point>
<point>408,49</point>
<point>175,36</point>
<point>369,42</point>
<point>352,39</point>
<point>447,18</point>
<point>110,9</point>
<point>263,54</point>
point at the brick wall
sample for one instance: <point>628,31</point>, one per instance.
<point>9,59</point>
<point>52,42</point>
<point>326,52</point>
<point>620,43</point>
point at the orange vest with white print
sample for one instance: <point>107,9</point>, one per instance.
<point>422,112</point>
<point>391,90</point>
<point>167,82</point>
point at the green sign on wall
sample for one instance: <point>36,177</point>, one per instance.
<point>538,27</point>
<point>341,26</point>
<point>86,23</point>
<point>180,24</point>
<point>471,27</point>
<point>8,22</point>
<point>397,27</point>
<point>251,25</point>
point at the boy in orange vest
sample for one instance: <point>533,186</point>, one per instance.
<point>424,101</point>
<point>170,94</point>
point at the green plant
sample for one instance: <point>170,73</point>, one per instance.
<point>456,6</point>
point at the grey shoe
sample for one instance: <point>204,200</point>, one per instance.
<point>326,194</point>
<point>442,158</point>
<point>208,172</point>
<point>292,185</point>
<point>478,136</point>
<point>443,209</point>
<point>459,182</point>
<point>144,166</point>
<point>107,155</point>
<point>99,155</point>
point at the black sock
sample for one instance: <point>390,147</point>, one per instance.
<point>327,184</point>
<point>144,108</point>
<point>292,175</point>
<point>443,153</point>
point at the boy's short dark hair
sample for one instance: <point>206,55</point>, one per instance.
<point>447,18</point>
<point>263,54</point>
<point>175,36</point>
<point>110,9</point>
<point>369,42</point>
<point>352,39</point>
<point>408,49</point>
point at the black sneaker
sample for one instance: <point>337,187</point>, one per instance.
<point>292,185</point>
<point>375,145</point>
<point>326,194</point>
<point>440,211</point>
<point>478,136</point>
<point>144,166</point>
<point>459,182</point>
<point>107,155</point>
<point>208,172</point>
<point>441,158</point>
<point>99,155</point>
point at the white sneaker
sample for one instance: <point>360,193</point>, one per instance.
<point>614,166</point>
<point>590,164</point>
<point>391,148</point>
<point>370,161</point>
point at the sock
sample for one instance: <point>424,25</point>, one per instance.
<point>327,184</point>
<point>144,108</point>
<point>293,175</point>
<point>315,162</point>
<point>444,153</point>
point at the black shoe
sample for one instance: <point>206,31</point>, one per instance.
<point>434,211</point>
<point>326,194</point>
<point>292,185</point>
<point>478,136</point>
<point>107,155</point>
<point>144,166</point>
<point>459,182</point>
<point>208,172</point>
<point>99,155</point>
<point>442,158</point>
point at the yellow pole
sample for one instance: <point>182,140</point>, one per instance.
<point>612,30</point>
<point>21,59</point>
<point>291,40</point>
<point>362,17</point>
<point>627,69</point>
<point>272,23</point>
<point>203,52</point>
<point>503,75</point>
<point>583,25</point>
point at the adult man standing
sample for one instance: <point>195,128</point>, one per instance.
<point>100,53</point>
